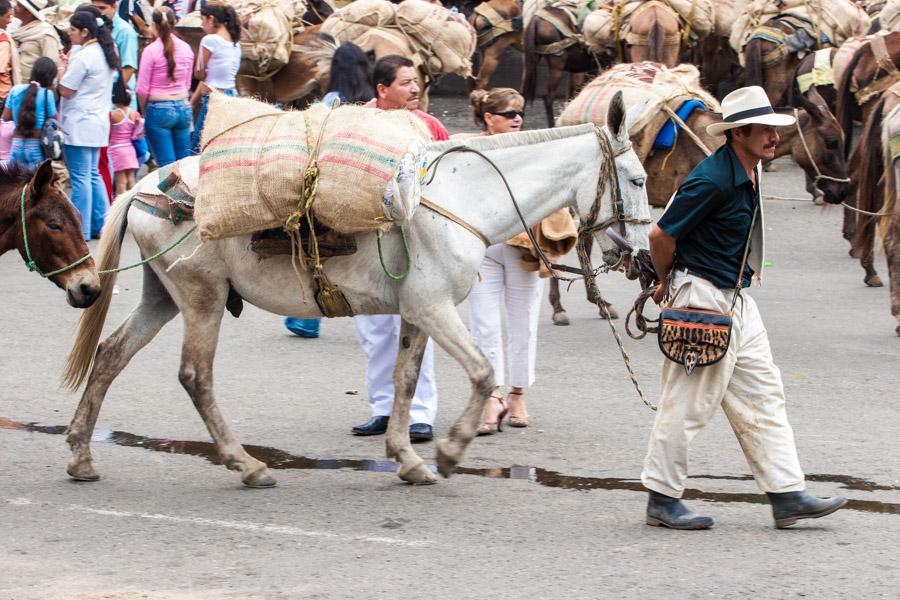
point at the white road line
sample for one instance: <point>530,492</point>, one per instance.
<point>242,525</point>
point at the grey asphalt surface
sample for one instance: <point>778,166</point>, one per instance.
<point>565,521</point>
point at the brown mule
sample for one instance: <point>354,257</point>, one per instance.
<point>52,229</point>
<point>498,25</point>
<point>771,65</point>
<point>655,35</point>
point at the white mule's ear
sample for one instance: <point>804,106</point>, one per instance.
<point>615,118</point>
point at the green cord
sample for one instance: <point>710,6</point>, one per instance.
<point>154,257</point>
<point>387,271</point>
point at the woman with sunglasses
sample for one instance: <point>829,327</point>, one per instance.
<point>511,282</point>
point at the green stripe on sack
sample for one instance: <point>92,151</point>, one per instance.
<point>213,154</point>
<point>348,148</point>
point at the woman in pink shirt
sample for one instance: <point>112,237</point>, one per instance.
<point>163,88</point>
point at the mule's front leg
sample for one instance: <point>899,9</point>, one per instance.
<point>201,334</point>
<point>559,313</point>
<point>406,375</point>
<point>446,328</point>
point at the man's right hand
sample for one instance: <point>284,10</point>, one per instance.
<point>659,294</point>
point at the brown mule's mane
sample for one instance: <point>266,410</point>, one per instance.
<point>12,179</point>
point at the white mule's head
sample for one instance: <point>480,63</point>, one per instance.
<point>624,206</point>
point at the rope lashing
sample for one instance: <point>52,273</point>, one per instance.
<point>384,267</point>
<point>819,176</point>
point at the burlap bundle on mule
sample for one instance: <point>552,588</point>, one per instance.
<point>254,157</point>
<point>647,84</point>
<point>266,32</point>
<point>443,40</point>
<point>889,17</point>
<point>611,21</point>
<point>836,20</point>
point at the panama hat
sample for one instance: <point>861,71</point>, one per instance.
<point>748,106</point>
<point>34,7</point>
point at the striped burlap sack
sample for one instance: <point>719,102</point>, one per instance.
<point>254,157</point>
<point>646,87</point>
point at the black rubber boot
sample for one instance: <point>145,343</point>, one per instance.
<point>790,507</point>
<point>671,512</point>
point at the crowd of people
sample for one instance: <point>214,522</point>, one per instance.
<point>93,105</point>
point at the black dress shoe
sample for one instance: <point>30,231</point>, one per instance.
<point>420,432</point>
<point>671,512</point>
<point>374,426</point>
<point>789,507</point>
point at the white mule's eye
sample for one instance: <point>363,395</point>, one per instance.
<point>639,181</point>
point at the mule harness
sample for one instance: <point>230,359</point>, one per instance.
<point>608,174</point>
<point>29,261</point>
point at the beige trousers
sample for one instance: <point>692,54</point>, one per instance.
<point>748,386</point>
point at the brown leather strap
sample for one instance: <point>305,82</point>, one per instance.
<point>450,216</point>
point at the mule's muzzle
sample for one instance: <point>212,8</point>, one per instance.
<point>834,192</point>
<point>82,291</point>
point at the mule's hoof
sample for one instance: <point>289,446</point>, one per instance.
<point>82,471</point>
<point>560,318</point>
<point>874,281</point>
<point>418,475</point>
<point>259,479</point>
<point>446,464</point>
<point>613,313</point>
<point>770,168</point>
<point>819,200</point>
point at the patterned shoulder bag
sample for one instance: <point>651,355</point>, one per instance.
<point>699,337</point>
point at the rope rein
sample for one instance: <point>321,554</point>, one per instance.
<point>29,261</point>
<point>819,176</point>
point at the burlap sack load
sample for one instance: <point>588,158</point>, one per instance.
<point>444,40</point>
<point>611,21</point>
<point>254,156</point>
<point>838,20</point>
<point>267,29</point>
<point>648,85</point>
<point>889,17</point>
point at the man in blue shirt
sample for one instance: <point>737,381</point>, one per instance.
<point>700,242</point>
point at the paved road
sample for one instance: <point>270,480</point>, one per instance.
<point>553,510</point>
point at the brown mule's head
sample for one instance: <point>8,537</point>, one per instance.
<point>824,161</point>
<point>55,239</point>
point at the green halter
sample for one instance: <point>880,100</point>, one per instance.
<point>29,262</point>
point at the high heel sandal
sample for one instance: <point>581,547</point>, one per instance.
<point>517,421</point>
<point>492,427</point>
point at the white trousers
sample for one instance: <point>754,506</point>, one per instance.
<point>748,386</point>
<point>379,336</point>
<point>506,285</point>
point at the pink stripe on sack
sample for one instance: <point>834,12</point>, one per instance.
<point>249,162</point>
<point>254,139</point>
<point>347,135</point>
<point>346,162</point>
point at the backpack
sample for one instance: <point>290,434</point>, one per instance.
<point>51,135</point>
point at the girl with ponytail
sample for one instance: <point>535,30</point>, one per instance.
<point>86,89</point>
<point>163,88</point>
<point>219,58</point>
<point>28,106</point>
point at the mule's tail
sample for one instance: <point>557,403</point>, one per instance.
<point>90,326</point>
<point>656,42</point>
<point>846,101</point>
<point>869,178</point>
<point>529,71</point>
<point>754,73</point>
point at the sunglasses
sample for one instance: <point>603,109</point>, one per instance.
<point>511,114</point>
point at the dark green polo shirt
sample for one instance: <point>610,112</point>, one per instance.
<point>710,218</point>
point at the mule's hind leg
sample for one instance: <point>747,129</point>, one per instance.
<point>444,325</point>
<point>406,375</point>
<point>201,335</point>
<point>892,253</point>
<point>155,310</point>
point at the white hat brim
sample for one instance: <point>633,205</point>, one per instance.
<point>27,5</point>
<point>773,119</point>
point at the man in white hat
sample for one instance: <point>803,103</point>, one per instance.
<point>700,241</point>
<point>34,37</point>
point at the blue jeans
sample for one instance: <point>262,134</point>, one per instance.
<point>88,191</point>
<point>26,152</point>
<point>201,117</point>
<point>168,126</point>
